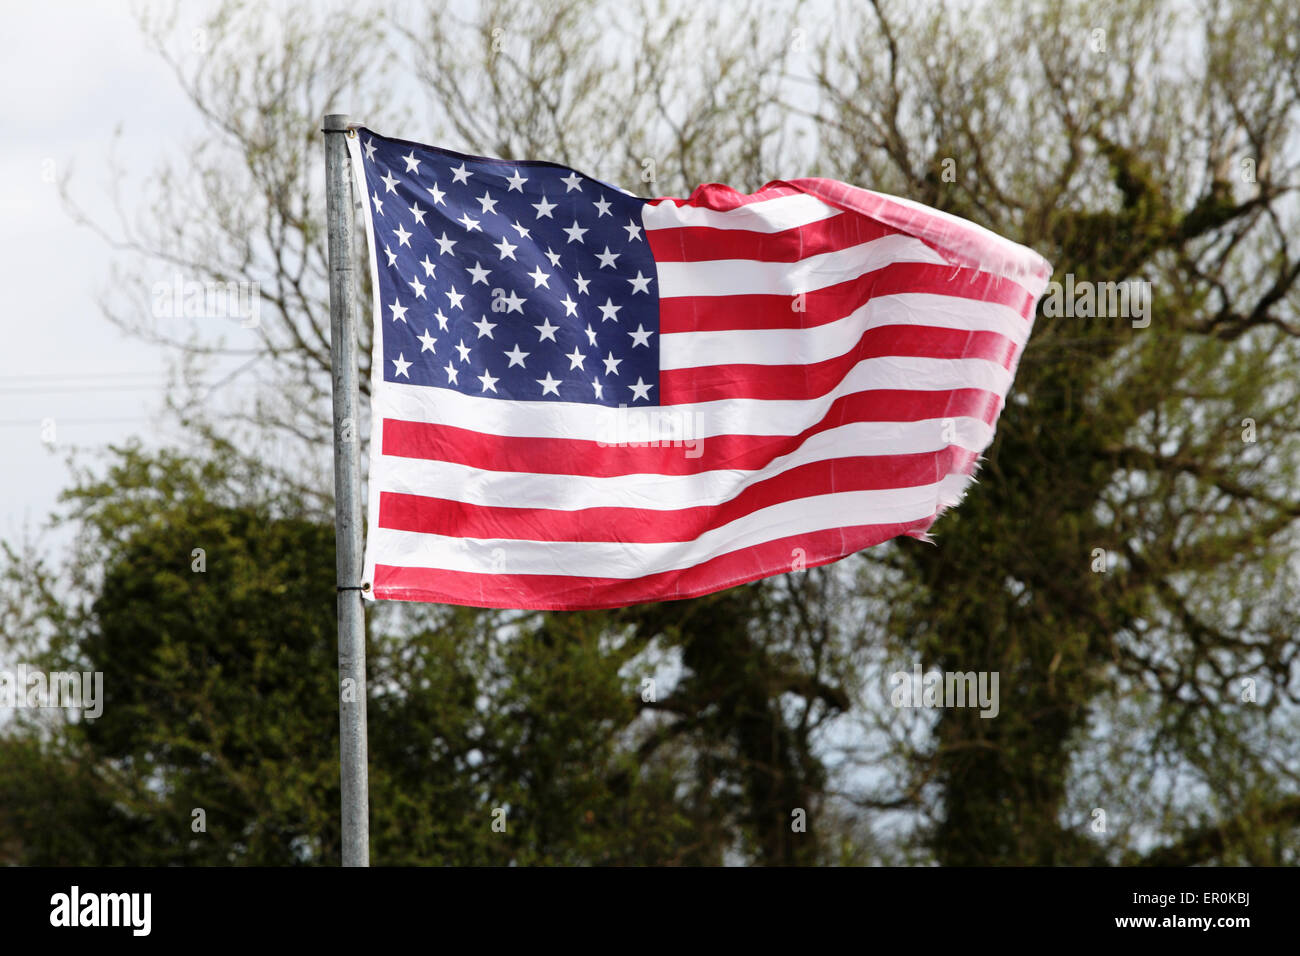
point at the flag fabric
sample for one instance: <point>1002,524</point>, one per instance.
<point>583,398</point>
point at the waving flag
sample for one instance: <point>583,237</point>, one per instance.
<point>583,398</point>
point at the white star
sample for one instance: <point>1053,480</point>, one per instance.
<point>417,287</point>
<point>539,277</point>
<point>403,237</point>
<point>417,212</point>
<point>512,302</point>
<point>402,366</point>
<point>640,336</point>
<point>392,256</point>
<point>488,203</point>
<point>550,386</point>
<point>379,203</point>
<point>444,244</point>
<point>602,207</point>
<point>516,182</point>
<point>576,359</point>
<point>607,258</point>
<point>553,256</point>
<point>461,175</point>
<point>574,233</point>
<point>463,349</point>
<point>426,343</point>
<point>428,266</point>
<point>412,164</point>
<point>571,182</point>
<point>453,298</point>
<point>547,330</point>
<point>479,273</point>
<point>451,373</point>
<point>484,327</point>
<point>609,310</point>
<point>523,233</point>
<point>591,335</point>
<point>544,208</point>
<point>517,357</point>
<point>640,283</point>
<point>633,231</point>
<point>489,383</point>
<point>469,224</point>
<point>570,307</point>
<point>611,364</point>
<point>399,311</point>
<point>390,183</point>
<point>640,390</point>
<point>370,149</point>
<point>582,284</point>
<point>600,389</point>
<point>442,320</point>
<point>437,195</point>
<point>507,250</point>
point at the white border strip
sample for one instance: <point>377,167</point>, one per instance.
<point>376,370</point>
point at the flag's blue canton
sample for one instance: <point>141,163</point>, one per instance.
<point>511,280</point>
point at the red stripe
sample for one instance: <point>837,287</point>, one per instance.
<point>703,243</point>
<point>573,456</point>
<point>711,383</point>
<point>554,592</point>
<point>458,519</point>
<point>723,198</point>
<point>958,240</point>
<point>834,302</point>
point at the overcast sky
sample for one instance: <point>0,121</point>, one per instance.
<point>71,75</point>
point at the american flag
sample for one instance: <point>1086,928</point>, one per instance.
<point>583,398</point>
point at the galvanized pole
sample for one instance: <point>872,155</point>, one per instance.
<point>347,497</point>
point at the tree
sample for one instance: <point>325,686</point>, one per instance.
<point>207,605</point>
<point>1124,443</point>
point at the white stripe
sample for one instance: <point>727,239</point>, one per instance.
<point>627,560</point>
<point>738,416</point>
<point>769,215</point>
<point>509,489</point>
<point>996,253</point>
<point>821,342</point>
<point>968,241</point>
<point>755,277</point>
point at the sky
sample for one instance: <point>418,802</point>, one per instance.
<point>70,382</point>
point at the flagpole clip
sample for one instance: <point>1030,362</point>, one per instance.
<point>340,123</point>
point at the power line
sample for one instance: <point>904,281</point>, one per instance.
<point>29,390</point>
<point>60,422</point>
<point>78,375</point>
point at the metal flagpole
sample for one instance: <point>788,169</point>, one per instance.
<point>347,497</point>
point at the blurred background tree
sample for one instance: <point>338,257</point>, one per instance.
<point>220,695</point>
<point>1136,141</point>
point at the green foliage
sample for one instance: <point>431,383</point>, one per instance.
<point>220,695</point>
